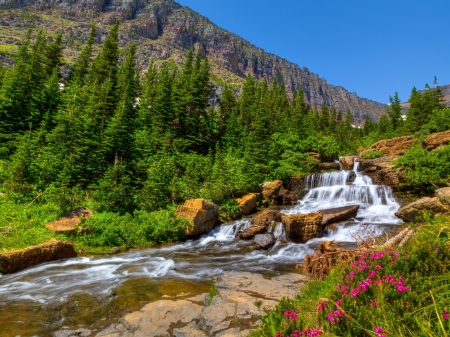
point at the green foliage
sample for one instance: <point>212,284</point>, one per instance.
<point>229,210</point>
<point>423,167</point>
<point>212,292</point>
<point>372,154</point>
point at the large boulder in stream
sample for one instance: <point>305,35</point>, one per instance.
<point>260,223</point>
<point>414,211</point>
<point>265,241</point>
<point>270,190</point>
<point>247,203</point>
<point>11,262</point>
<point>338,214</point>
<point>303,227</point>
<point>201,213</point>
<point>347,162</point>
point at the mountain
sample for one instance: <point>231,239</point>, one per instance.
<point>163,29</point>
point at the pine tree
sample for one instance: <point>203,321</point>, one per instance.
<point>81,66</point>
<point>394,111</point>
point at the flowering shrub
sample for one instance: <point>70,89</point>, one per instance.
<point>381,293</point>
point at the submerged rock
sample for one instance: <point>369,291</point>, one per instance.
<point>247,203</point>
<point>303,227</point>
<point>52,250</point>
<point>414,211</point>
<point>338,214</point>
<point>202,215</point>
<point>260,223</point>
<point>265,241</point>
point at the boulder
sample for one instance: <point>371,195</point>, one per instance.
<point>443,195</point>
<point>202,215</point>
<point>271,189</point>
<point>247,203</point>
<point>393,146</point>
<point>260,223</point>
<point>297,185</point>
<point>11,262</point>
<point>265,241</point>
<point>303,227</point>
<point>437,139</point>
<point>347,162</point>
<point>383,172</point>
<point>328,166</point>
<point>70,221</point>
<point>414,211</point>
<point>334,215</point>
<point>290,199</point>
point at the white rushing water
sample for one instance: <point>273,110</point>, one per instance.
<point>214,252</point>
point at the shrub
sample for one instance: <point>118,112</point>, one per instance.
<point>229,210</point>
<point>372,154</point>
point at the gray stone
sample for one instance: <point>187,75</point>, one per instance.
<point>72,333</point>
<point>338,214</point>
<point>265,241</point>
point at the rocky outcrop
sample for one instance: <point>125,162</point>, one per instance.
<point>70,221</point>
<point>443,194</point>
<point>202,215</point>
<point>265,241</point>
<point>338,214</point>
<point>247,204</point>
<point>303,227</point>
<point>164,29</point>
<point>11,262</point>
<point>393,146</point>
<point>231,312</point>
<point>260,223</point>
<point>328,166</point>
<point>437,140</point>
<point>271,189</point>
<point>414,211</point>
<point>382,171</point>
<point>347,162</point>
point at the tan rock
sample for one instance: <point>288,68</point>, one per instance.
<point>437,139</point>
<point>328,166</point>
<point>270,190</point>
<point>247,203</point>
<point>414,211</point>
<point>260,223</point>
<point>11,262</point>
<point>338,214</point>
<point>382,171</point>
<point>303,227</point>
<point>393,146</point>
<point>202,215</point>
<point>443,195</point>
<point>347,162</point>
<point>70,221</point>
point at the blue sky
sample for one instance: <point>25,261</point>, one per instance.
<point>371,47</point>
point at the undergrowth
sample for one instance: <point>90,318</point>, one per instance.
<point>401,292</point>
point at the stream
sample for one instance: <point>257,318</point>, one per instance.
<point>94,291</point>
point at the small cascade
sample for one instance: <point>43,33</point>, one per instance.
<point>377,204</point>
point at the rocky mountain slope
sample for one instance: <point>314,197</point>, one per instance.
<point>163,29</point>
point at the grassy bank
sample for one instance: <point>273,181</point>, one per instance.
<point>391,292</point>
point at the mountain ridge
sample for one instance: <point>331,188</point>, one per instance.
<point>164,29</point>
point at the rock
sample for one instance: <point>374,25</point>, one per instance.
<point>414,211</point>
<point>347,162</point>
<point>437,139</point>
<point>247,203</point>
<point>70,221</point>
<point>190,330</point>
<point>338,214</point>
<point>202,215</point>
<point>271,189</point>
<point>382,171</point>
<point>290,199</point>
<point>114,250</point>
<point>328,166</point>
<point>393,146</point>
<point>265,241</point>
<point>443,195</point>
<point>303,227</point>
<point>260,223</point>
<point>72,333</point>
<point>316,156</point>
<point>11,262</point>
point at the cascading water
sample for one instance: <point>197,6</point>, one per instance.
<point>55,285</point>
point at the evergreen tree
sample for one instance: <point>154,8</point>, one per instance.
<point>394,111</point>
<point>81,66</point>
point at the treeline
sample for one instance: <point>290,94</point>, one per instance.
<point>126,141</point>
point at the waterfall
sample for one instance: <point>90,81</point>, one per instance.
<point>377,204</point>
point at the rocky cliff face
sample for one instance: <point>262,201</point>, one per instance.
<point>163,29</point>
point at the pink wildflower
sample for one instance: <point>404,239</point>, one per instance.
<point>446,315</point>
<point>436,248</point>
<point>339,302</point>
<point>321,306</point>
<point>373,304</point>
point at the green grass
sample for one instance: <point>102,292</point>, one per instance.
<point>7,49</point>
<point>416,310</point>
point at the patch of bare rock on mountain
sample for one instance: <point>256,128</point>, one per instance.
<point>241,297</point>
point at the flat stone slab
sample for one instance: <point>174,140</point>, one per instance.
<point>338,214</point>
